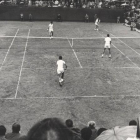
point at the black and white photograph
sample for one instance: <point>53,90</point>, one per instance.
<point>69,69</point>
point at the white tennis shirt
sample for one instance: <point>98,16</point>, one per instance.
<point>107,40</point>
<point>50,27</point>
<point>60,64</point>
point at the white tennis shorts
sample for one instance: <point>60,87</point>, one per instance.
<point>107,46</point>
<point>50,31</point>
<point>60,71</point>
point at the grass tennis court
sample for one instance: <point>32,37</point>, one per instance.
<point>101,89</point>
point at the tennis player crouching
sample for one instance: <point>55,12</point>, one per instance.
<point>61,67</point>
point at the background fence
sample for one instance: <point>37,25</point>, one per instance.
<point>67,14</point>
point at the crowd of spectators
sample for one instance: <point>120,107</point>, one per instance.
<point>54,129</point>
<point>132,18</point>
<point>91,4</point>
<point>110,4</point>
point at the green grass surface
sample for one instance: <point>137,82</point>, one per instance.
<point>103,90</point>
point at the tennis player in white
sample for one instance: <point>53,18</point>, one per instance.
<point>107,45</point>
<point>50,28</point>
<point>97,21</point>
<point>61,67</point>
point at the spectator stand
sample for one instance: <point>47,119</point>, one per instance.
<point>132,18</point>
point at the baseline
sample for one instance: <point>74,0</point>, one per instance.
<point>73,97</point>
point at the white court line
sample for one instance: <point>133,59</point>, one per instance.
<point>126,67</point>
<point>71,97</point>
<point>22,64</point>
<point>124,54</point>
<point>8,50</point>
<point>34,37</point>
<point>43,68</point>
<point>75,53</point>
<point>125,44</point>
<point>91,38</point>
<point>72,41</point>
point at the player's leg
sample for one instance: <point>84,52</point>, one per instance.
<point>109,52</point>
<point>52,33</point>
<point>131,27</point>
<point>59,74</point>
<point>60,79</point>
<point>97,27</point>
<point>62,75</point>
<point>104,51</point>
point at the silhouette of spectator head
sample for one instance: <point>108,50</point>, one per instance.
<point>91,124</point>
<point>50,129</point>
<point>86,133</point>
<point>132,122</point>
<point>100,130</point>
<point>2,130</point>
<point>16,128</point>
<point>69,123</point>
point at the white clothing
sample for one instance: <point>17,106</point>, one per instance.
<point>97,21</point>
<point>60,66</point>
<point>107,46</point>
<point>60,71</point>
<point>107,42</point>
<point>50,27</point>
<point>56,2</point>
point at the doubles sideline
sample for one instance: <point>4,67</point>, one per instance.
<point>8,50</point>
<point>22,65</point>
